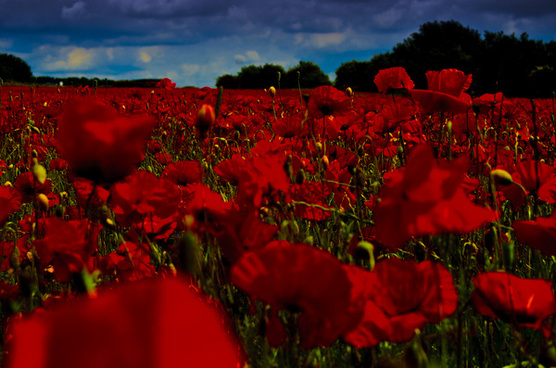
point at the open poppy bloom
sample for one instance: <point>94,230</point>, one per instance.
<point>539,234</point>
<point>303,279</point>
<point>143,198</point>
<point>67,246</point>
<point>393,79</point>
<point>146,324</point>
<point>427,197</point>
<point>326,101</point>
<point>403,296</point>
<point>524,302</point>
<point>445,92</point>
<point>98,143</point>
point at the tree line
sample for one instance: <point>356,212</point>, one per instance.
<point>516,66</point>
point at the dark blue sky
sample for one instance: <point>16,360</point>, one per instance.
<point>194,41</point>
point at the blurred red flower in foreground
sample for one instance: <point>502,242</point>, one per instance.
<point>445,92</point>
<point>98,143</point>
<point>144,324</point>
<point>403,296</point>
<point>426,197</point>
<point>299,278</point>
<point>524,302</point>
<point>392,79</point>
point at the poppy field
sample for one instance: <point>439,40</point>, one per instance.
<point>277,228</point>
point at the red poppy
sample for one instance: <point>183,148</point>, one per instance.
<point>539,234</point>
<point>166,83</point>
<point>129,262</point>
<point>67,246</point>
<point>523,302</point>
<point>392,79</point>
<point>144,198</point>
<point>428,196</point>
<point>10,201</point>
<point>403,296</point>
<point>392,116</point>
<point>243,231</point>
<point>151,323</point>
<point>261,177</point>
<point>302,279</point>
<point>327,100</point>
<point>58,164</point>
<point>88,194</point>
<point>28,187</point>
<point>288,127</point>
<point>313,193</point>
<point>206,206</point>
<point>183,172</point>
<point>98,143</point>
<point>445,92</point>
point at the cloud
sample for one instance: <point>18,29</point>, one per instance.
<point>250,56</point>
<point>75,11</point>
<point>75,58</point>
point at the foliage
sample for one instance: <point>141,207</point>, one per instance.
<point>14,69</point>
<point>515,66</point>
<point>307,73</point>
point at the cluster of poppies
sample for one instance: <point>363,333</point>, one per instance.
<point>330,216</point>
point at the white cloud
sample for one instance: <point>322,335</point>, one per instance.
<point>250,56</point>
<point>71,58</point>
<point>75,11</point>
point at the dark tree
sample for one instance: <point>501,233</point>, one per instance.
<point>227,81</point>
<point>259,77</point>
<point>14,69</point>
<point>310,76</point>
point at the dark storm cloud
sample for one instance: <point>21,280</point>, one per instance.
<point>195,41</point>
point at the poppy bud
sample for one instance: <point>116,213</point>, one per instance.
<point>318,146</point>
<point>364,251</point>
<point>300,177</point>
<point>43,200</point>
<point>272,91</point>
<point>189,254</point>
<point>325,161</point>
<point>501,177</point>
<point>205,119</point>
<point>39,172</point>
<point>349,92</point>
<point>14,258</point>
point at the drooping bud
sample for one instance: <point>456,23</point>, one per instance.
<point>365,251</point>
<point>272,91</point>
<point>349,92</point>
<point>501,177</point>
